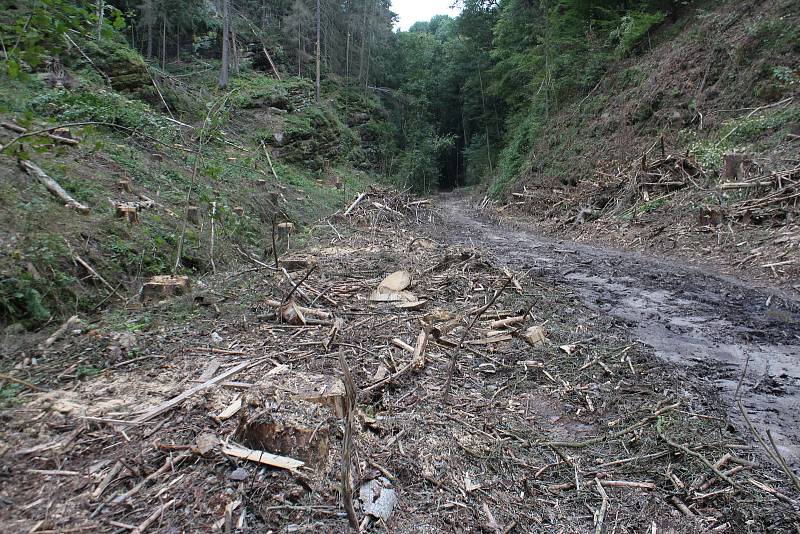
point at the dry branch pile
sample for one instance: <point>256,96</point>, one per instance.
<point>235,420</point>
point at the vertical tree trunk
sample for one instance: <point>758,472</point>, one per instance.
<point>223,71</point>
<point>235,51</point>
<point>299,49</point>
<point>177,45</point>
<point>317,87</point>
<point>101,5</point>
<point>148,9</point>
<point>363,44</point>
<point>163,40</point>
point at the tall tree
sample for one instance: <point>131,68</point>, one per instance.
<point>317,84</point>
<point>226,26</point>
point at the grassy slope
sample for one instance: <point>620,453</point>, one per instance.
<point>316,166</point>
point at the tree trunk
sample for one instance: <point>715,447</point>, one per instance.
<point>100,14</point>
<point>163,40</point>
<point>148,9</point>
<point>223,71</point>
<point>363,44</point>
<point>317,86</point>
<point>235,51</point>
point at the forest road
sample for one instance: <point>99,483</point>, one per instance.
<point>707,325</point>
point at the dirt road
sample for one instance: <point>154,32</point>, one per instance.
<point>707,324</point>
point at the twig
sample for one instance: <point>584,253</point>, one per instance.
<point>703,459</point>
<point>298,284</point>
<point>455,352</point>
<point>153,517</point>
<point>601,514</point>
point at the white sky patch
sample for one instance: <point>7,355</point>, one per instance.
<point>411,11</point>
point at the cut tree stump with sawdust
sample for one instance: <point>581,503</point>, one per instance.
<point>128,211</point>
<point>289,415</point>
<point>163,287</point>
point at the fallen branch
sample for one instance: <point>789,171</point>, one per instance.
<point>166,406</point>
<point>262,457</point>
<point>52,186</point>
<point>25,383</point>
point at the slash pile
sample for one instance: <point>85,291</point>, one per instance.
<point>229,410</point>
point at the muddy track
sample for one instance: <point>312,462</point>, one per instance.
<point>706,324</point>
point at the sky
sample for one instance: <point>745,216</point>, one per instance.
<point>411,11</point>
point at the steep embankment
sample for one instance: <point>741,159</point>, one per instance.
<point>640,161</point>
<point>267,152</point>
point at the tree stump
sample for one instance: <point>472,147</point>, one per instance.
<point>193,215</point>
<point>289,415</point>
<point>238,210</point>
<point>128,211</point>
<point>733,169</point>
<point>157,157</point>
<point>163,287</point>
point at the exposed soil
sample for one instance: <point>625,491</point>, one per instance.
<point>557,419</point>
<point>702,321</point>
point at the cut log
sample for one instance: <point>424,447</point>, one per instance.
<point>51,185</point>
<point>164,287</point>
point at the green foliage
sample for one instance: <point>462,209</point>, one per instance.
<point>634,26</point>
<point>40,29</point>
<point>104,106</point>
<point>766,130</point>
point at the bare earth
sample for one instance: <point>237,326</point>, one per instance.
<point>592,395</point>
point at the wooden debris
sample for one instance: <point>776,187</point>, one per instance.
<point>52,186</point>
<point>128,211</point>
<point>55,336</point>
<point>262,457</point>
<point>172,403</point>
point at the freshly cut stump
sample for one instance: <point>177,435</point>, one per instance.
<point>290,415</point>
<point>164,287</point>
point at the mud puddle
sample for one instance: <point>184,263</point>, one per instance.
<point>706,324</point>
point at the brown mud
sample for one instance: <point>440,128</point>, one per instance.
<point>703,322</point>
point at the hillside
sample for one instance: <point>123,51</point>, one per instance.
<point>639,162</point>
<point>140,142</point>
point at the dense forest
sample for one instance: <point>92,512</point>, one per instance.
<point>468,95</point>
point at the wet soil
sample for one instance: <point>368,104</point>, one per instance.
<point>710,326</point>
